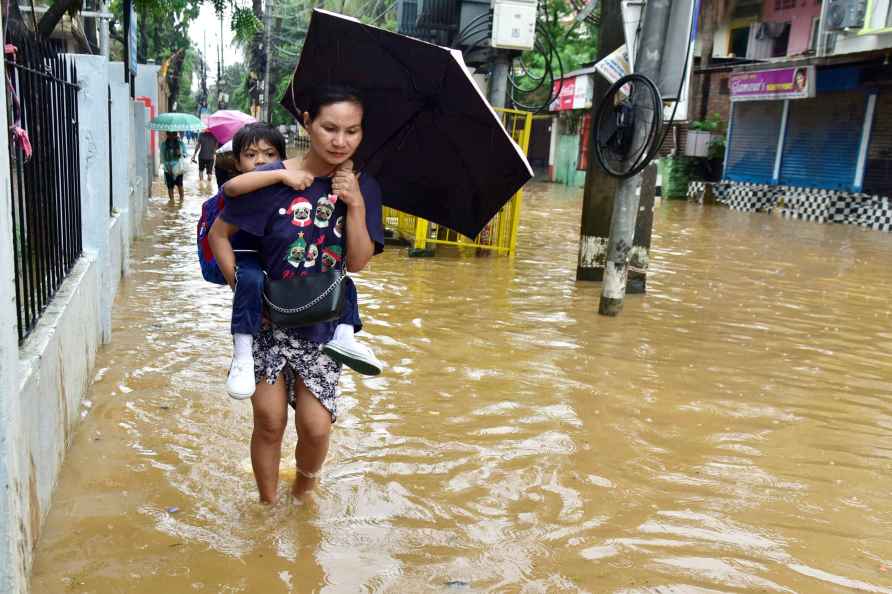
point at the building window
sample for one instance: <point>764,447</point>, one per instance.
<point>738,42</point>
<point>784,4</point>
<point>781,40</point>
<point>815,28</point>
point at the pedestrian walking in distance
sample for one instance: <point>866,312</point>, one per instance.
<point>205,150</point>
<point>173,153</point>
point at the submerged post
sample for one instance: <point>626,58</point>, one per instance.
<point>648,62</point>
<point>600,188</point>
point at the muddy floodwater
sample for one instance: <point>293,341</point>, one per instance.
<point>731,431</point>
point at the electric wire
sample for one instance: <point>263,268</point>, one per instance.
<point>474,27</point>
<point>474,21</point>
<point>546,46</point>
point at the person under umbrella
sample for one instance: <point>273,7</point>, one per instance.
<point>173,151</point>
<point>310,215</point>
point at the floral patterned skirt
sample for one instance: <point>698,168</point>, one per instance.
<point>282,349</point>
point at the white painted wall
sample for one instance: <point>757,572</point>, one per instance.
<point>119,226</point>
<point>92,102</point>
<point>720,43</point>
<point>139,171</point>
<point>853,43</point>
<point>43,381</point>
<point>552,148</point>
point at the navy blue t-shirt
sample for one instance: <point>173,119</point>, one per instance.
<point>302,232</point>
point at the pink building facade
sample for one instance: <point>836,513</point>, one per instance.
<point>803,17</point>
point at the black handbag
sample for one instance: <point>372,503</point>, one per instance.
<point>306,300</point>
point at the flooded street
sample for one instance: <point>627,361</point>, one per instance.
<point>731,431</point>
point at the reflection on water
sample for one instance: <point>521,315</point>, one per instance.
<point>730,431</point>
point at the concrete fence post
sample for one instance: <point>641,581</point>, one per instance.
<point>139,172</point>
<point>93,136</point>
<point>120,140</point>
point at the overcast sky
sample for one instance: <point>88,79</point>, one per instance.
<point>207,27</point>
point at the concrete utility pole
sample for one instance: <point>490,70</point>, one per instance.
<point>648,62</point>
<point>222,66</point>
<point>267,26</point>
<point>597,200</point>
<point>498,80</point>
<point>103,29</point>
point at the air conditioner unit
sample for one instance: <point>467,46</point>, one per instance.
<point>845,14</point>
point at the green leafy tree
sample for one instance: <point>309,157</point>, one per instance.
<point>288,31</point>
<point>564,44</point>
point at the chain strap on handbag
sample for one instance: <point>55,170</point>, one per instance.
<point>319,298</point>
<point>325,298</point>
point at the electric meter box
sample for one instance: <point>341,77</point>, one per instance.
<point>514,25</point>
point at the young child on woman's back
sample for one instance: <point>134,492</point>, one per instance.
<point>255,145</point>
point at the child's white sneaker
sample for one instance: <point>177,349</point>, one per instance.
<point>240,383</point>
<point>344,348</point>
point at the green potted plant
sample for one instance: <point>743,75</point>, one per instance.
<point>701,135</point>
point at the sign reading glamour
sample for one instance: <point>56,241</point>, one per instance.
<point>781,83</point>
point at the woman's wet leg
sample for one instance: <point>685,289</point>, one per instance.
<point>270,418</point>
<point>313,424</point>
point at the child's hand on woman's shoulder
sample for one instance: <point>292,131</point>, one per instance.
<point>297,180</point>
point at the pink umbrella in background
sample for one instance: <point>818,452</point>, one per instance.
<point>225,123</point>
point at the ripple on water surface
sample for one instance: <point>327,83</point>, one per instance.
<point>730,431</point>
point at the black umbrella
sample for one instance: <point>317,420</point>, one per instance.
<point>431,140</point>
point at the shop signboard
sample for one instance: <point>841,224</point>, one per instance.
<point>779,83</point>
<point>575,93</point>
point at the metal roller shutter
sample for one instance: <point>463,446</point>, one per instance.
<point>878,172</point>
<point>823,136</point>
<point>753,142</point>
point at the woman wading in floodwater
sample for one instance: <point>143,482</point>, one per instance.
<point>289,216</point>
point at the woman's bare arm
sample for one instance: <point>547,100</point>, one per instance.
<point>360,247</point>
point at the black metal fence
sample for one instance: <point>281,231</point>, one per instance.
<point>46,198</point>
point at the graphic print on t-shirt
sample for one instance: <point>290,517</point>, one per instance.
<point>312,254</point>
<point>331,255</point>
<point>265,215</point>
<point>296,250</point>
<point>300,210</point>
<point>324,209</point>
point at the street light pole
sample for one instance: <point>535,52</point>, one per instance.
<point>648,62</point>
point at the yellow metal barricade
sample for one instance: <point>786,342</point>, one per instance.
<point>400,224</point>
<point>499,235</point>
